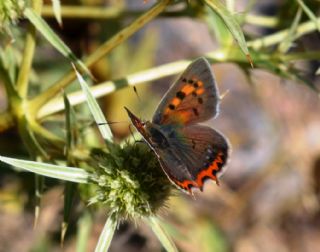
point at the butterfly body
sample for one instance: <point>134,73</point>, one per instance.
<point>188,152</point>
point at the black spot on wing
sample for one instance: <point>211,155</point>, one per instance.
<point>171,106</point>
<point>181,95</point>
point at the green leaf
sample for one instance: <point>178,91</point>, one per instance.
<point>57,10</point>
<point>54,171</point>
<point>52,37</point>
<point>163,237</point>
<point>106,235</point>
<point>95,110</point>
<point>218,27</point>
<point>309,13</point>
<point>231,23</point>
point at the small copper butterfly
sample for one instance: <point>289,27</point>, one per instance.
<point>189,153</point>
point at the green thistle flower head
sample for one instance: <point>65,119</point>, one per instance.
<point>130,181</point>
<point>10,11</point>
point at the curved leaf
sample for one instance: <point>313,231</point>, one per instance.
<point>54,171</point>
<point>106,235</point>
<point>232,24</point>
<point>54,40</point>
<point>163,237</point>
<point>95,109</point>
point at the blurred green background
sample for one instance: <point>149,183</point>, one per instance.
<point>269,196</point>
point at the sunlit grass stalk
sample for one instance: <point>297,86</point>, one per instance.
<point>309,13</point>
<point>98,13</point>
<point>273,39</point>
<point>88,12</point>
<point>110,86</point>
<point>104,49</point>
<point>263,21</point>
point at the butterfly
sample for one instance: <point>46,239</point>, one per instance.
<point>189,153</point>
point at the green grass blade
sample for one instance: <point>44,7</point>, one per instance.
<point>285,45</point>
<point>70,187</point>
<point>56,5</point>
<point>68,118</point>
<point>95,110</point>
<point>163,237</point>
<point>309,13</point>
<point>106,235</point>
<point>52,37</point>
<point>54,171</point>
<point>39,186</point>
<point>83,232</point>
<point>232,24</point>
<point>69,192</point>
<point>72,130</point>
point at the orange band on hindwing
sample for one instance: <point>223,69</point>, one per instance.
<point>209,172</point>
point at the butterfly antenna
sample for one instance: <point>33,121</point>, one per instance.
<point>110,123</point>
<point>224,94</point>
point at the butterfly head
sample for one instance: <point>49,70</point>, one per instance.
<point>138,123</point>
<point>150,132</point>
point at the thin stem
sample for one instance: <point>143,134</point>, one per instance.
<point>311,55</point>
<point>98,13</point>
<point>263,21</point>
<point>278,37</point>
<point>104,49</point>
<point>85,12</point>
<point>28,53</point>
